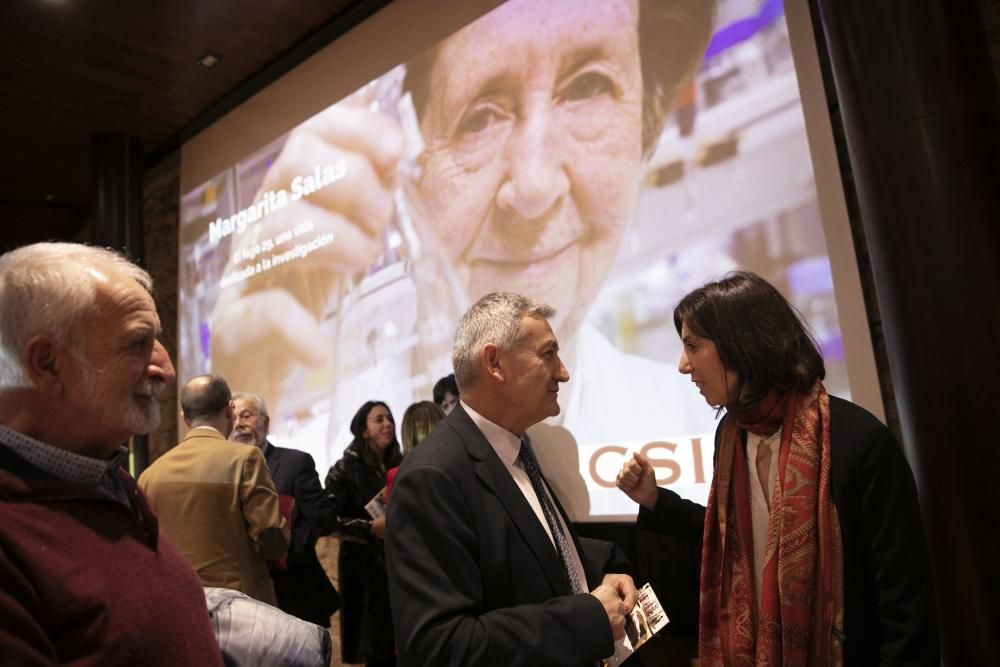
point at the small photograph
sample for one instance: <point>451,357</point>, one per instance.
<point>637,627</point>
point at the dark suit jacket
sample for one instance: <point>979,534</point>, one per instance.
<point>303,589</point>
<point>473,576</point>
<point>889,613</point>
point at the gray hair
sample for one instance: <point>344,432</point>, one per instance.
<point>49,288</point>
<point>495,318</point>
<point>246,395</point>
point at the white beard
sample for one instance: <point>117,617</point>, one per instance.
<point>119,410</point>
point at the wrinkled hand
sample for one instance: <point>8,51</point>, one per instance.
<point>638,480</point>
<point>378,528</point>
<point>267,323</point>
<point>614,607</point>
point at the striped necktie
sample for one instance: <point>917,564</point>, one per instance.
<point>563,546</point>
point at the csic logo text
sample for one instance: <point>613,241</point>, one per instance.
<point>671,463</point>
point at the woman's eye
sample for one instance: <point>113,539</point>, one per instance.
<point>586,86</point>
<point>478,120</point>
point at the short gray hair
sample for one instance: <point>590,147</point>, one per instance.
<point>47,288</point>
<point>495,318</point>
<point>261,405</point>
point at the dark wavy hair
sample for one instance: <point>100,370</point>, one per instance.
<point>757,333</point>
<point>446,385</point>
<point>391,456</point>
<point>673,35</point>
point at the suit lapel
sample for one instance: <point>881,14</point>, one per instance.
<point>495,477</point>
<point>273,458</point>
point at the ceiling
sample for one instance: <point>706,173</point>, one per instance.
<point>71,69</point>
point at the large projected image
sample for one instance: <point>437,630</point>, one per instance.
<point>605,157</point>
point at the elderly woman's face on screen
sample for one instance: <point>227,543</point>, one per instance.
<point>534,131</point>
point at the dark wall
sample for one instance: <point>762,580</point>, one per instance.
<point>161,217</point>
<point>917,96</point>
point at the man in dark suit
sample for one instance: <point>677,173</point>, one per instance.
<point>303,588</point>
<point>484,567</point>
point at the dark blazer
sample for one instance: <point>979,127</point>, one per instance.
<point>473,576</point>
<point>303,590</point>
<point>366,632</point>
<point>889,611</point>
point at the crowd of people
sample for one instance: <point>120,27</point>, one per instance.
<point>454,545</point>
<point>812,545</point>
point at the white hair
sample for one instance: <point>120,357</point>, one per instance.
<point>495,318</point>
<point>50,288</point>
<point>246,395</point>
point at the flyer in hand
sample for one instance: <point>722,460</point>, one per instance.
<point>376,506</point>
<point>647,618</point>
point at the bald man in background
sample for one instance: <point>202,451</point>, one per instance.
<point>216,499</point>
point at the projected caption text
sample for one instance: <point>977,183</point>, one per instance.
<point>260,257</point>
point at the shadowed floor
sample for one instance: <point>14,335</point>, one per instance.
<point>327,549</point>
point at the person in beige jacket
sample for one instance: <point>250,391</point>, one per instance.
<point>216,499</point>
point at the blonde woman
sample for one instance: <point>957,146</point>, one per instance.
<point>418,422</point>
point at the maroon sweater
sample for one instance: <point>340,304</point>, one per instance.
<point>85,580</point>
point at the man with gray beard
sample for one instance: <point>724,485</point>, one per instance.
<point>86,576</point>
<point>302,588</point>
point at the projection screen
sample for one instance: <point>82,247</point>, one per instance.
<point>604,157</point>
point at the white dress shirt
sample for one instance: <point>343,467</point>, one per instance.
<point>210,428</point>
<point>507,447</point>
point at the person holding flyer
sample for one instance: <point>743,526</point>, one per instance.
<point>365,624</point>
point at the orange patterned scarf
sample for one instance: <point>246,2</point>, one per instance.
<point>801,611</point>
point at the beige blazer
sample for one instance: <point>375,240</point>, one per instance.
<point>216,501</point>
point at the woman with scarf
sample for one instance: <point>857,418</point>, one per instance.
<point>813,551</point>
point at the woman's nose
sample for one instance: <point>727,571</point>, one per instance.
<point>684,366</point>
<point>536,176</point>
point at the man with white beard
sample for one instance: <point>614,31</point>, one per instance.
<point>86,576</point>
<point>302,589</point>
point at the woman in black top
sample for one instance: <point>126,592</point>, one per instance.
<point>812,486</point>
<point>365,621</point>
